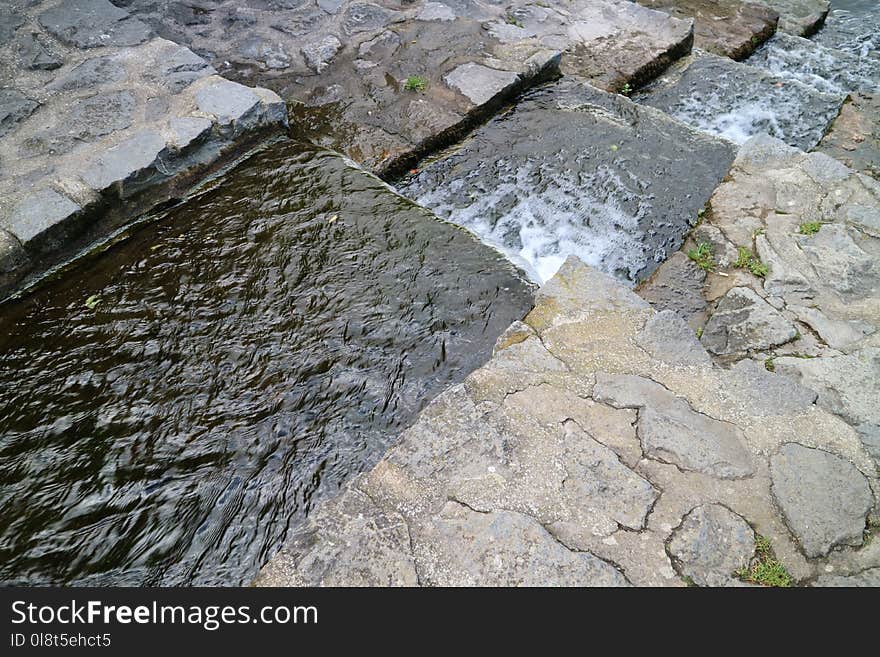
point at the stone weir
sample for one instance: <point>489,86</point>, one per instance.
<point>100,120</point>
<point>601,446</point>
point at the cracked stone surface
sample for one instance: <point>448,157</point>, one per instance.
<point>90,113</point>
<point>583,453</point>
<point>743,321</point>
<point>814,316</point>
<point>825,499</point>
<point>711,545</point>
<point>724,27</point>
<point>347,61</point>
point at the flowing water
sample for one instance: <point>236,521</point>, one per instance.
<point>171,407</point>
<point>853,26</point>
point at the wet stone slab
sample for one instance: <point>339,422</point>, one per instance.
<point>723,27</point>
<point>386,81</point>
<point>92,108</point>
<point>737,101</point>
<point>798,17</point>
<point>575,170</point>
<point>196,388</point>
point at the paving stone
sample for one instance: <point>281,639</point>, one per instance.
<point>12,255</point>
<point>737,101</point>
<point>188,129</point>
<point>39,212</point>
<point>227,101</point>
<point>854,136</point>
<point>564,173</point>
<point>93,23</point>
<point>91,73</point>
<point>125,161</point>
<point>744,322</point>
<point>14,108</point>
<point>10,21</point>
<point>723,27</point>
<point>480,84</point>
<point>37,52</point>
<point>711,544</point>
<point>672,432</point>
<point>318,54</point>
<point>824,498</point>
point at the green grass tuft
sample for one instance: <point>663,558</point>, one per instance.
<point>626,89</point>
<point>765,569</point>
<point>748,260</point>
<point>415,83</point>
<point>810,228</point>
<point>703,256</point>
<point>768,365</point>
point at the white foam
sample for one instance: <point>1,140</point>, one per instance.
<point>564,214</point>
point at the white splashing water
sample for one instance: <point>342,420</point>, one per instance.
<point>539,226</point>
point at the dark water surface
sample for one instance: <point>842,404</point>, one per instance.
<point>248,354</point>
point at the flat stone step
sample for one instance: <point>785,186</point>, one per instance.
<point>575,170</point>
<point>723,27</point>
<point>389,80</point>
<point>737,101</point>
<point>825,69</point>
<point>854,136</point>
<point>799,17</point>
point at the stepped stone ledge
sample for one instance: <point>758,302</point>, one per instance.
<point>599,446</point>
<point>100,120</point>
<point>387,81</point>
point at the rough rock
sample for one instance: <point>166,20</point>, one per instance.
<point>14,108</point>
<point>854,136</point>
<point>319,53</point>
<point>667,337</point>
<point>38,212</point>
<point>37,52</point>
<point>125,161</point>
<point>744,322</point>
<point>672,432</point>
<point>723,27</point>
<point>737,101</point>
<point>464,548</point>
<point>677,285</point>
<point>564,173</point>
<point>480,84</point>
<point>711,544</point>
<point>869,577</point>
<point>825,499</point>
<point>93,23</point>
<point>12,255</point>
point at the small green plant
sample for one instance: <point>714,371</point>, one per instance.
<point>93,301</point>
<point>699,332</point>
<point>748,260</point>
<point>510,19</point>
<point>765,569</point>
<point>415,83</point>
<point>626,89</point>
<point>703,256</point>
<point>810,228</point>
<point>768,365</point>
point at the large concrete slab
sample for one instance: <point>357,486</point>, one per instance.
<point>723,27</point>
<point>600,448</point>
<point>573,170</point>
<point>348,61</point>
<point>100,118</point>
<point>737,101</point>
